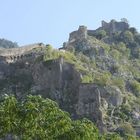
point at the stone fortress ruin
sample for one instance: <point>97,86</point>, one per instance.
<point>11,55</point>
<point>111,27</point>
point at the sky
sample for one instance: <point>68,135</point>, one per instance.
<point>51,21</point>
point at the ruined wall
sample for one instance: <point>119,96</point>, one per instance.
<point>80,34</point>
<point>114,26</point>
<point>19,51</point>
<point>12,55</point>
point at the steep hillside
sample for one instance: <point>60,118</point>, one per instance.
<point>95,75</point>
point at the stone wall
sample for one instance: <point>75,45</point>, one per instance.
<point>80,34</point>
<point>14,54</point>
<point>114,26</point>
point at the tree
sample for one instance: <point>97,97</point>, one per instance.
<point>128,37</point>
<point>48,52</point>
<point>81,130</point>
<point>101,34</point>
<point>36,118</point>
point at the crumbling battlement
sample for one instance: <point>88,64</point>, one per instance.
<point>114,26</point>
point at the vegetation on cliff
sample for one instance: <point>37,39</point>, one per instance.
<point>41,119</point>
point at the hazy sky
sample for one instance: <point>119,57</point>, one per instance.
<point>51,21</point>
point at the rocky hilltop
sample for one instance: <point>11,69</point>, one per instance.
<point>95,75</point>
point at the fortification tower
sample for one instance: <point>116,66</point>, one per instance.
<point>80,34</point>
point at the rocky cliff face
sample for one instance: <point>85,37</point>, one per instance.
<point>55,79</point>
<point>60,81</point>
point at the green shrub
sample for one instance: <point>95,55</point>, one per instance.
<point>121,47</point>
<point>135,87</point>
<point>111,136</point>
<point>126,129</point>
<point>119,82</point>
<point>128,37</point>
<point>131,137</point>
<point>102,79</point>
<point>88,78</point>
<point>100,34</point>
<point>115,54</point>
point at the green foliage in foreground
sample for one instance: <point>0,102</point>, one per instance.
<point>41,119</point>
<point>36,118</point>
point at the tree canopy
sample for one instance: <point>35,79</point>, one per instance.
<point>41,119</point>
<point>36,118</point>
